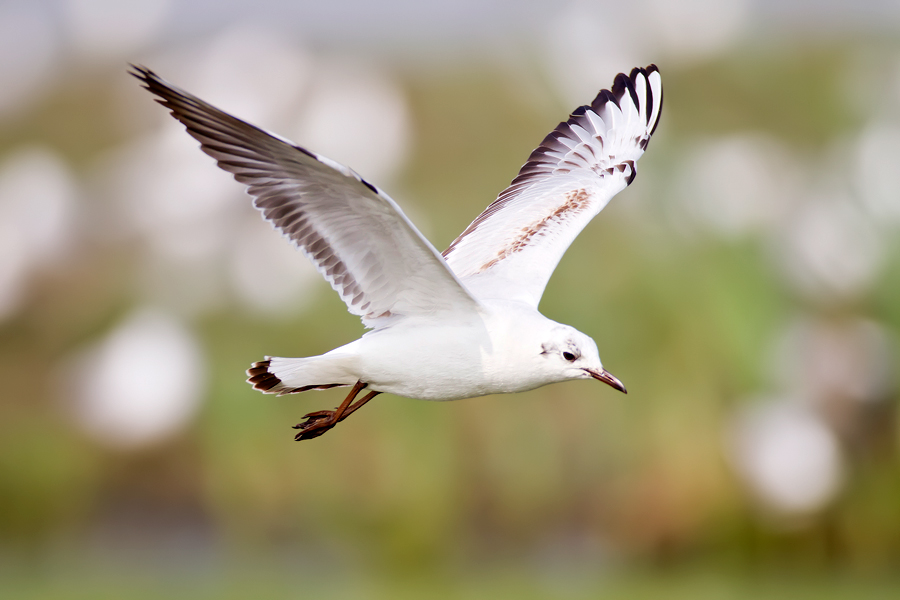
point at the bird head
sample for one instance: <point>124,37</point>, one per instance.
<point>573,355</point>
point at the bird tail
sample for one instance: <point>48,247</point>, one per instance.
<point>276,375</point>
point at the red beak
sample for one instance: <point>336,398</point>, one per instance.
<point>608,378</point>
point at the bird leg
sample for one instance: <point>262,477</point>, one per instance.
<point>320,421</point>
<point>358,404</point>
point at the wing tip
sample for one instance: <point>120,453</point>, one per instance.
<point>624,88</point>
<point>624,83</point>
<point>138,70</point>
<point>148,78</point>
<point>629,83</point>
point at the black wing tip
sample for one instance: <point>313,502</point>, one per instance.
<point>538,163</point>
<point>651,68</point>
<point>623,83</point>
<point>145,75</point>
<point>137,70</point>
<point>602,98</point>
<point>166,94</point>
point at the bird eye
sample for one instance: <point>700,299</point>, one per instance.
<point>569,356</point>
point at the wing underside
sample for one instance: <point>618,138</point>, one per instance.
<point>511,249</point>
<point>355,235</point>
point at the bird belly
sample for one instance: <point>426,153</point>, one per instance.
<point>447,362</point>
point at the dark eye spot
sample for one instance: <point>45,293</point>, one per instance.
<point>569,356</point>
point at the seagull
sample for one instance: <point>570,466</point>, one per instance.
<point>443,325</point>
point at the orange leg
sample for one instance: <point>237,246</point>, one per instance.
<point>356,405</point>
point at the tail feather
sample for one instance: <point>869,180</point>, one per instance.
<point>262,376</point>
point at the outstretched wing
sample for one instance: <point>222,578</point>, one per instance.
<point>512,248</point>
<point>355,235</point>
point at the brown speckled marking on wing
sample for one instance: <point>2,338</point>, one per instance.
<point>576,201</point>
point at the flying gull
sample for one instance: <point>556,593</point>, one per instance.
<point>444,326</point>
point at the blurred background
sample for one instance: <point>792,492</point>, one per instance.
<point>746,289</point>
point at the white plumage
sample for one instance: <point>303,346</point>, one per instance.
<point>448,326</point>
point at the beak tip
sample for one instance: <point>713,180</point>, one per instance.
<point>609,379</point>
